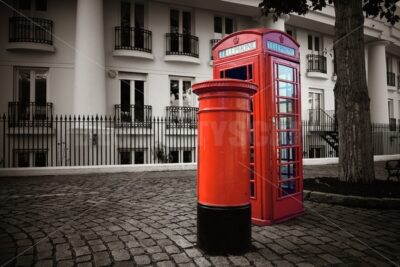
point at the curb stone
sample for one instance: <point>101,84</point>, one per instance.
<point>352,201</point>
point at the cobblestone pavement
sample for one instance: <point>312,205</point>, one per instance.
<point>150,219</point>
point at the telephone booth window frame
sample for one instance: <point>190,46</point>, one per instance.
<point>288,125</point>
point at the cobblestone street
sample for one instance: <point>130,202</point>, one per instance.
<point>150,219</point>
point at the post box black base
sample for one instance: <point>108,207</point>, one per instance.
<point>222,230</point>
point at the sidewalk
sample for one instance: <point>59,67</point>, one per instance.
<point>331,170</point>
<point>133,219</point>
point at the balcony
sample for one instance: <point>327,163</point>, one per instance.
<point>33,114</point>
<point>212,43</point>
<point>30,34</point>
<point>133,42</point>
<point>133,115</point>
<point>185,117</point>
<point>182,48</point>
<point>390,78</point>
<point>316,66</point>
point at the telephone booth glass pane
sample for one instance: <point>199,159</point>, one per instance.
<point>285,105</point>
<point>286,138</point>
<point>285,73</point>
<point>286,89</point>
<point>287,122</point>
<point>239,73</point>
<point>288,188</point>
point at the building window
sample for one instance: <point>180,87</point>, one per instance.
<point>291,32</point>
<point>181,92</point>
<point>187,156</point>
<point>41,5</point>
<point>132,32</point>
<point>180,21</point>
<point>31,85</point>
<point>315,105</point>
<point>31,158</point>
<point>174,156</point>
<point>23,159</point>
<point>222,26</point>
<point>316,152</point>
<point>40,159</point>
<point>314,43</point>
<point>125,157</point>
<point>139,157</point>
<point>30,94</point>
<point>390,108</point>
<point>38,5</point>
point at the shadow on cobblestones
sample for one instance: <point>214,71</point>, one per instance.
<point>150,219</point>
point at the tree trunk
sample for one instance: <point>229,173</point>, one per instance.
<point>351,94</point>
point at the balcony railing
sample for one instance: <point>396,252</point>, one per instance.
<point>29,113</point>
<point>33,30</point>
<point>182,44</point>
<point>182,117</point>
<point>391,78</point>
<point>316,63</point>
<point>130,38</point>
<point>128,115</point>
<point>212,43</point>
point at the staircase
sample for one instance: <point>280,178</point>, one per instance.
<point>324,124</point>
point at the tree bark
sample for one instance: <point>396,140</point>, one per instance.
<point>351,94</point>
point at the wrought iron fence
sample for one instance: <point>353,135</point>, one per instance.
<point>106,140</point>
<point>182,44</point>
<point>316,63</point>
<point>131,38</point>
<point>95,140</point>
<point>391,78</point>
<point>34,30</point>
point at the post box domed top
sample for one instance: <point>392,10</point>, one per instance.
<point>224,85</point>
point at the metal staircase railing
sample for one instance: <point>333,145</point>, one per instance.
<point>324,124</point>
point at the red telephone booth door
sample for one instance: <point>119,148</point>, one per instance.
<point>287,196</point>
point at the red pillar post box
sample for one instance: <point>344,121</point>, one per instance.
<point>223,211</point>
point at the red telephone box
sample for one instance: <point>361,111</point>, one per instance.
<point>270,59</point>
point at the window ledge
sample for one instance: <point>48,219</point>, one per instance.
<point>27,46</point>
<point>392,88</point>
<point>318,75</point>
<point>132,53</point>
<point>182,58</point>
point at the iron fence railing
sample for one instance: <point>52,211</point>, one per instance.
<point>29,113</point>
<point>391,78</point>
<point>316,63</point>
<point>182,44</point>
<point>34,30</point>
<point>106,140</point>
<point>212,43</point>
<point>182,116</point>
<point>94,140</point>
<point>131,38</point>
<point>129,115</point>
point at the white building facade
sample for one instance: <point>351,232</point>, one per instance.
<point>137,57</point>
